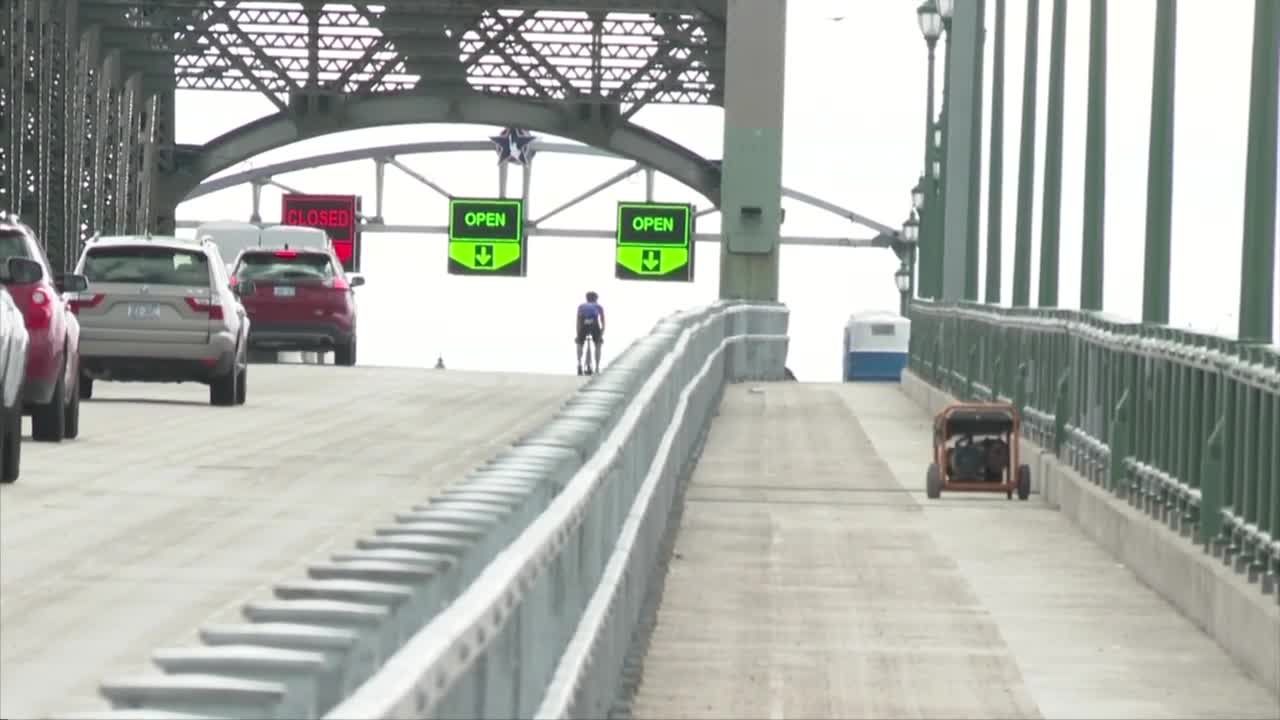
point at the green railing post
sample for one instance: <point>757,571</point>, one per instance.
<point>973,372</point>
<point>1212,481</point>
<point>1061,411</point>
<point>1119,443</point>
<point>1020,388</point>
<point>995,379</point>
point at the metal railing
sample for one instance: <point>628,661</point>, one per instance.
<point>1185,426</point>
<point>512,592</point>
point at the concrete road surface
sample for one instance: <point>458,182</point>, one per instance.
<point>167,513</point>
<point>813,579</point>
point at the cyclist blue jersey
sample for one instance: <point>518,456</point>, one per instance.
<point>590,313</point>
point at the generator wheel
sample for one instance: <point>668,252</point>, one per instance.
<point>1024,482</point>
<point>933,482</point>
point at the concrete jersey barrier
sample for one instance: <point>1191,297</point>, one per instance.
<point>417,619</point>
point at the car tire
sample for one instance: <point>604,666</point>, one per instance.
<point>49,421</point>
<point>11,456</point>
<point>242,386</point>
<point>71,421</point>
<point>222,389</point>
<point>345,355</point>
<point>86,387</point>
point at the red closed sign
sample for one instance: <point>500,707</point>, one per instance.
<point>337,215</point>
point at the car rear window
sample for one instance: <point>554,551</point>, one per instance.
<point>13,244</point>
<point>149,265</point>
<point>284,266</point>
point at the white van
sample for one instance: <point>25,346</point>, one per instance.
<point>294,236</point>
<point>233,237</point>
<point>230,236</point>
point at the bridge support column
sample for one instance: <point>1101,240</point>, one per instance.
<point>1257,283</point>
<point>159,198</point>
<point>751,172</point>
<point>964,96</point>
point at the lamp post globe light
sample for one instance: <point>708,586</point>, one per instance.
<point>930,21</point>
<point>945,8</point>
<point>902,279</point>
<point>911,230</point>
<point>917,194</point>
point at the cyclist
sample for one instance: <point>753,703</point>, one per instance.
<point>590,322</point>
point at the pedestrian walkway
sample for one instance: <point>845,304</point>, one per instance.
<point>812,579</point>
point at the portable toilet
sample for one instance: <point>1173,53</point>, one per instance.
<point>876,346</point>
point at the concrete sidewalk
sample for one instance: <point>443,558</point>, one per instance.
<point>812,579</point>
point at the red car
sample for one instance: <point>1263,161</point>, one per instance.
<point>50,392</point>
<point>298,300</point>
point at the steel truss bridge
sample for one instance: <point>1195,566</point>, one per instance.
<point>393,156</point>
<point>87,88</point>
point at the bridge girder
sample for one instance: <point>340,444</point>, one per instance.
<point>632,52</point>
<point>599,126</point>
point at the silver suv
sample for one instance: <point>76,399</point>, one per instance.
<point>160,309</point>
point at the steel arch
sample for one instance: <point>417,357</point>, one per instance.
<point>383,152</point>
<point>620,137</point>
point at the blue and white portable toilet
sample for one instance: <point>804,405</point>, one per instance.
<point>876,346</point>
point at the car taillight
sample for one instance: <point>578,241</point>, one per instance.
<point>286,254</point>
<point>234,281</point>
<point>337,283</point>
<point>39,313</point>
<point>205,305</point>
<point>86,301</point>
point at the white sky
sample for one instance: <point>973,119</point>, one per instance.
<point>854,129</point>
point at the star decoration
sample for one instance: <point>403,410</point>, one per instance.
<point>514,145</point>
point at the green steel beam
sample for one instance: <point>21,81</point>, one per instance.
<point>1026,163</point>
<point>939,229</point>
<point>1257,279</point>
<point>995,188</point>
<point>962,95</point>
<point>973,243</point>
<point>1051,220</point>
<point>1155,285</point>
<point>1093,256</point>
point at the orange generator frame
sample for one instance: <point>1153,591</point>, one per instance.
<point>999,426</point>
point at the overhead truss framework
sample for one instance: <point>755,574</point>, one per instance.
<point>382,157</point>
<point>631,52</point>
<point>87,86</point>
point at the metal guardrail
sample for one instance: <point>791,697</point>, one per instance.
<point>511,593</point>
<point>1185,426</point>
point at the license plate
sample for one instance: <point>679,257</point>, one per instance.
<point>143,311</point>
<point>285,291</point>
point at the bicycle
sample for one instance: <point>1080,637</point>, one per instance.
<point>590,350</point>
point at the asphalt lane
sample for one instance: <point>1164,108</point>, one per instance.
<point>168,513</point>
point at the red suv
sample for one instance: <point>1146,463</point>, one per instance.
<point>298,300</point>
<point>50,392</point>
